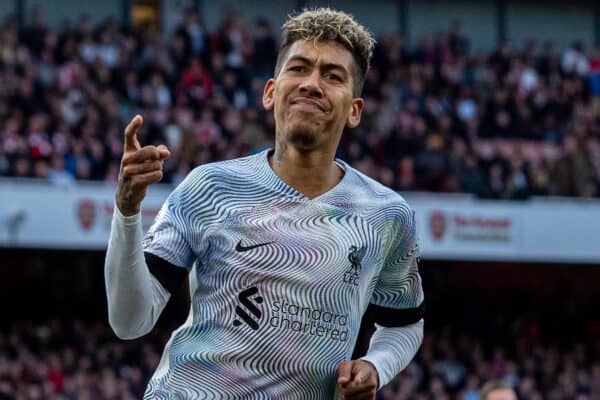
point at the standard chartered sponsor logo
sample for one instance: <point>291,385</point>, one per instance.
<point>309,321</point>
<point>245,298</point>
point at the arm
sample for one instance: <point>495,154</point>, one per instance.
<point>392,349</point>
<point>137,289</point>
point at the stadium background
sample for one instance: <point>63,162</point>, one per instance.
<point>483,113</point>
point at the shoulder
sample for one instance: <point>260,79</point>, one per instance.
<point>221,173</point>
<point>385,208</point>
<point>212,186</point>
<point>372,195</point>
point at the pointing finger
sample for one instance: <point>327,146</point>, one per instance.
<point>131,142</point>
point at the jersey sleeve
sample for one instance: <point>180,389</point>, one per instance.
<point>398,296</point>
<point>169,235</point>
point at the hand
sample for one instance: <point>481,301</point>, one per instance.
<point>140,166</point>
<point>358,380</point>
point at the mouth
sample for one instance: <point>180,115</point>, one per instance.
<point>307,104</point>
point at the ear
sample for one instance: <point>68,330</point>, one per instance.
<point>355,112</point>
<point>268,100</point>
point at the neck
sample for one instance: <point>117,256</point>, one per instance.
<point>311,173</point>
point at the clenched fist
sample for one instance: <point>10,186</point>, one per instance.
<point>140,166</point>
<point>357,380</point>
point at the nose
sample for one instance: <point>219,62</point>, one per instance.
<point>311,85</point>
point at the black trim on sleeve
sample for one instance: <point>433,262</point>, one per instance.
<point>394,317</point>
<point>363,339</point>
<point>170,276</point>
<point>388,317</point>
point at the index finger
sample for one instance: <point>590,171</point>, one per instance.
<point>131,142</point>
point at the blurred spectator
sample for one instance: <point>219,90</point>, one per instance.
<point>265,49</point>
<point>573,173</point>
<point>196,82</point>
<point>575,62</point>
<point>192,33</point>
<point>595,73</point>
<point>57,173</point>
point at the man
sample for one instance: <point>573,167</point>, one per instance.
<point>285,250</point>
<point>497,390</point>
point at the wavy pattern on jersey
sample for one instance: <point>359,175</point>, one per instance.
<point>400,282</point>
<point>302,263</point>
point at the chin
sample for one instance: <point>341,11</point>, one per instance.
<point>303,138</point>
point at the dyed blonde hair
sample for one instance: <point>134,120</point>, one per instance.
<point>325,24</point>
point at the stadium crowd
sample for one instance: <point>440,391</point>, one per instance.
<point>505,124</point>
<point>78,360</point>
<point>439,117</point>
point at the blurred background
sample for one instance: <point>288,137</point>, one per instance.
<point>485,115</point>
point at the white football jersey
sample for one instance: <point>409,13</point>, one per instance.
<point>279,282</point>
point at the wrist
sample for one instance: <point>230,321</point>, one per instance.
<point>126,221</point>
<point>127,210</point>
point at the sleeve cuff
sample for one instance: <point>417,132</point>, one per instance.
<point>130,220</point>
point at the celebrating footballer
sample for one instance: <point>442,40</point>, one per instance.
<point>285,250</point>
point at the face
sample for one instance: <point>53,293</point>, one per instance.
<point>502,394</point>
<point>312,97</point>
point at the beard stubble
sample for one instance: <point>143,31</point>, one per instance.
<point>303,138</point>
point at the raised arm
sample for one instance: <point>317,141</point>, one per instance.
<point>135,297</point>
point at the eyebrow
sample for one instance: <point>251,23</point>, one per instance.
<point>326,66</point>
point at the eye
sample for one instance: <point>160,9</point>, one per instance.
<point>297,68</point>
<point>333,77</point>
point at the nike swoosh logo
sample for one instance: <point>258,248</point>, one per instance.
<point>241,248</point>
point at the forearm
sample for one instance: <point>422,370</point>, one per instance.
<point>135,297</point>
<point>392,349</point>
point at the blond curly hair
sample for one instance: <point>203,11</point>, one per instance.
<point>326,24</point>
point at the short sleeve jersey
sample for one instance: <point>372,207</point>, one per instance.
<point>279,282</point>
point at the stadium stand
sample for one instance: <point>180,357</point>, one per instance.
<point>83,361</point>
<point>506,124</point>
